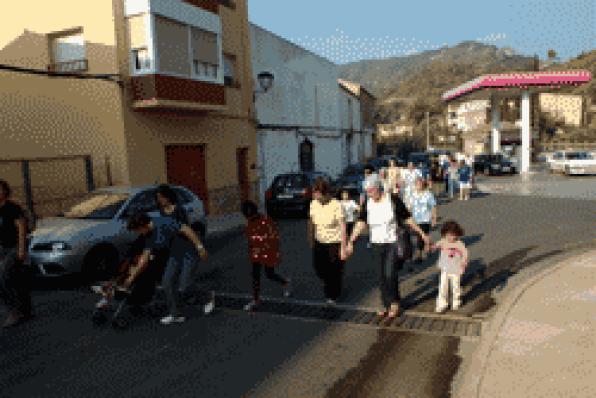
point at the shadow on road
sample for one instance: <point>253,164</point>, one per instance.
<point>480,280</point>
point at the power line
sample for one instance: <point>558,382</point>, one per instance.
<point>68,75</point>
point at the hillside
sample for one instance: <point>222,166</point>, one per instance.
<point>431,72</point>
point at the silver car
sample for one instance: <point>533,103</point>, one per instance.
<point>91,237</point>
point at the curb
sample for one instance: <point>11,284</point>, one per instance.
<point>473,375</point>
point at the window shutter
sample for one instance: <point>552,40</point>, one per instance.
<point>204,46</point>
<point>172,46</point>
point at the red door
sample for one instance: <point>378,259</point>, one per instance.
<point>242,162</point>
<point>186,166</point>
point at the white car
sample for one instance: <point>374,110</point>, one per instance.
<point>573,162</point>
<point>91,237</point>
<point>584,164</point>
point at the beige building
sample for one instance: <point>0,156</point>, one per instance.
<point>166,96</point>
<point>565,107</point>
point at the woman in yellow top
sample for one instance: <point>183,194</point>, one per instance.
<point>327,237</point>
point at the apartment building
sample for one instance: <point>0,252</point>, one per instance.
<point>167,93</point>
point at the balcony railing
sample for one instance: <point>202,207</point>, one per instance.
<point>76,65</point>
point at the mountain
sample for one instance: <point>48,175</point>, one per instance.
<point>428,74</point>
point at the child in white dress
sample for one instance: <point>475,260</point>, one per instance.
<point>453,261</point>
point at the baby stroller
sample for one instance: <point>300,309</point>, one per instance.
<point>115,299</point>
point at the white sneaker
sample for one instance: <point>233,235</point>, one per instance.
<point>331,302</point>
<point>168,320</point>
<point>209,307</point>
<point>251,306</point>
<point>97,289</point>
<point>440,310</point>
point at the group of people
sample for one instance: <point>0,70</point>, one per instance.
<point>393,204</point>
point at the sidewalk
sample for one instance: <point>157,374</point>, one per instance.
<point>541,341</point>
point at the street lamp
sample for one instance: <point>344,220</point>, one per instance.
<point>265,81</point>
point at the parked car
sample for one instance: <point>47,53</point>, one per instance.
<point>494,164</point>
<point>91,237</point>
<point>291,192</point>
<point>572,162</point>
<point>582,163</point>
<point>481,163</point>
<point>350,179</point>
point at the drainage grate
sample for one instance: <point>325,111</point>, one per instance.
<point>418,322</point>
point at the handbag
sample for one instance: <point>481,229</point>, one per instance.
<point>403,245</point>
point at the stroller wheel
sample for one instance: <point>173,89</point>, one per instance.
<point>99,318</point>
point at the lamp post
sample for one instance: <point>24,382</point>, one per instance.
<point>265,80</point>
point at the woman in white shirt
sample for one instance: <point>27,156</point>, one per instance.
<point>327,237</point>
<point>385,214</point>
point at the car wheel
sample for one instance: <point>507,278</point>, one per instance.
<point>101,263</point>
<point>271,212</point>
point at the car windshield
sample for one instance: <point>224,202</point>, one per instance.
<point>99,205</point>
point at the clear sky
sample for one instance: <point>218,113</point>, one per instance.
<point>350,30</point>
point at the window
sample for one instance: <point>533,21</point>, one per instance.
<point>138,43</point>
<point>141,60</point>
<point>230,70</point>
<point>205,53</point>
<point>144,201</point>
<point>68,51</point>
<point>172,46</point>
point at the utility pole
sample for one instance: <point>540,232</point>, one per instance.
<point>427,130</point>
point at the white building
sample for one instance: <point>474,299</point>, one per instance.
<point>303,120</point>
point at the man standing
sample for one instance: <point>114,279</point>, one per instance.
<point>162,233</point>
<point>14,284</point>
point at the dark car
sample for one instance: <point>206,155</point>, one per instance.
<point>351,179</point>
<point>291,192</point>
<point>481,163</point>
<point>496,164</point>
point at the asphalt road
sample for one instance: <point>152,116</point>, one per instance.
<point>233,354</point>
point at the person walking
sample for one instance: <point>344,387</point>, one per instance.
<point>453,176</point>
<point>185,252</point>
<point>14,274</point>
<point>465,180</point>
<point>445,173</point>
<point>326,235</point>
<point>453,261</point>
<point>161,234</point>
<point>350,209</point>
<point>424,212</point>
<point>410,175</point>
<point>387,217</point>
<point>393,175</point>
<point>263,250</point>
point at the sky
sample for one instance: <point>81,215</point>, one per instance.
<point>350,30</point>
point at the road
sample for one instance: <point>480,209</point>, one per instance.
<point>234,354</point>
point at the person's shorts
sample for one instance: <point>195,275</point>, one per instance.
<point>465,185</point>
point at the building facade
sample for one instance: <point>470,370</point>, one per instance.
<point>357,106</point>
<point>306,122</point>
<point>167,95</point>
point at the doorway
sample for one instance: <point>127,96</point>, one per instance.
<point>185,165</point>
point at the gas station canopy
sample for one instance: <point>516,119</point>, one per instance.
<point>520,80</point>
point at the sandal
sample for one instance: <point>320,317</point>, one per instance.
<point>382,313</point>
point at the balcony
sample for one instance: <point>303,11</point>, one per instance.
<point>173,93</point>
<point>73,66</point>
